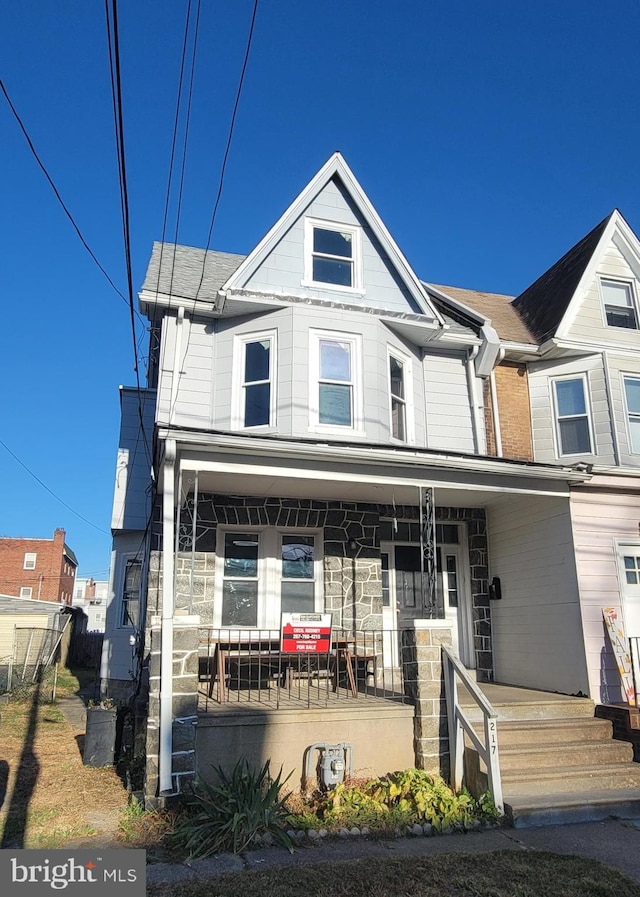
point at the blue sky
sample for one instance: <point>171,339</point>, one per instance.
<point>490,136</point>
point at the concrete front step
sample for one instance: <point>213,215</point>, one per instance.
<point>560,757</point>
<point>513,733</point>
<point>561,708</point>
<point>589,805</point>
<point>547,781</point>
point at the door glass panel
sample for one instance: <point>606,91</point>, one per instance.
<point>384,557</point>
<point>452,580</point>
<point>297,586</point>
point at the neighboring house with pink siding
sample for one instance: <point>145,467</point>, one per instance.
<point>575,334</point>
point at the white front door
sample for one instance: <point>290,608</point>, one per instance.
<point>629,567</point>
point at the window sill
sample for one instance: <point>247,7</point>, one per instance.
<point>325,430</point>
<point>333,287</point>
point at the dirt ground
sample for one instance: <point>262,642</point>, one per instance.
<point>48,798</point>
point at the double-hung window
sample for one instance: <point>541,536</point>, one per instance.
<point>332,255</point>
<point>30,560</point>
<point>400,408</point>
<point>26,592</point>
<point>255,380</point>
<point>619,304</point>
<point>335,384</point>
<point>131,593</point>
<point>573,427</point>
<point>632,400</point>
<point>265,572</point>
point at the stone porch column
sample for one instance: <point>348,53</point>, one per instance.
<point>424,683</point>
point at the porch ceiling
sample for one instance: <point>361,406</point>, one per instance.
<point>356,482</point>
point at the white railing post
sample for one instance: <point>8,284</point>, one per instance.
<point>459,724</point>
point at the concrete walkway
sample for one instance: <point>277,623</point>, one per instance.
<point>613,842</point>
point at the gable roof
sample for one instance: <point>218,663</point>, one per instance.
<point>496,307</point>
<point>336,167</point>
<point>542,306</point>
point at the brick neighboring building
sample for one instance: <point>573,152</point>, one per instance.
<point>44,569</point>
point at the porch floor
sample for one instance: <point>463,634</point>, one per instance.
<point>497,694</point>
<point>307,694</point>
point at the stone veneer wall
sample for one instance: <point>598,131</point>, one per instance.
<point>352,580</point>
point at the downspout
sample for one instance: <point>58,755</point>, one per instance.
<point>175,378</point>
<point>607,386</point>
<point>166,625</point>
<point>495,411</point>
<point>473,398</point>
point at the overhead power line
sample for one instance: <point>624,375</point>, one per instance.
<point>51,492</point>
<point>56,192</point>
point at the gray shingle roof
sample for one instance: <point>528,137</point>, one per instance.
<point>189,272</point>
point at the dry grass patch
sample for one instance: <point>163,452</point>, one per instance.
<point>49,795</point>
<point>503,874</point>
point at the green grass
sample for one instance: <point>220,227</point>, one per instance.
<point>509,873</point>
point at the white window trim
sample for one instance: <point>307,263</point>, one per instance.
<point>409,421</point>
<point>237,398</point>
<point>634,301</point>
<point>556,419</point>
<point>28,557</point>
<point>357,285</point>
<point>627,413</point>
<point>26,592</point>
<point>357,376</point>
<point>269,572</point>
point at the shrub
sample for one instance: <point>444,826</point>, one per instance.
<point>234,813</point>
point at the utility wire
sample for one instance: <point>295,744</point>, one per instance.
<point>116,96</point>
<point>228,146</point>
<point>50,491</point>
<point>57,192</point>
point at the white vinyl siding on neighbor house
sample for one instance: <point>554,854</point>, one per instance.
<point>589,324</point>
<point>546,445</point>
<point>449,421</point>
<point>283,271</point>
<point>536,626</point>
<point>602,516</point>
<point>186,381</point>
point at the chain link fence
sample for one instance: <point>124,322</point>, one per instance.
<point>34,660</point>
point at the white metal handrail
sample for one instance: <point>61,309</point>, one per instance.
<point>459,723</point>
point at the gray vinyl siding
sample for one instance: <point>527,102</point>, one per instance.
<point>283,271</point>
<point>131,502</point>
<point>543,423</point>
<point>205,393</point>
<point>536,626</point>
<point>449,423</point>
<point>590,325</point>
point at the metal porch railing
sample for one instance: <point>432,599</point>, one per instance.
<point>245,666</point>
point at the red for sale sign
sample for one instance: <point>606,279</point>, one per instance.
<point>305,633</point>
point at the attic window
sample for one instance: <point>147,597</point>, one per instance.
<point>619,304</point>
<point>332,255</point>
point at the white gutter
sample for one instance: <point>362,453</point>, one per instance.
<point>166,625</point>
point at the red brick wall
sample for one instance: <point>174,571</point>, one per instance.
<point>512,389</point>
<point>53,577</point>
